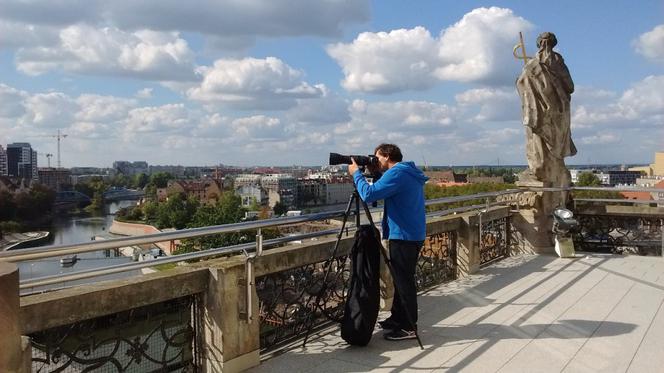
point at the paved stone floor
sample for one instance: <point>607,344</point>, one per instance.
<point>594,313</point>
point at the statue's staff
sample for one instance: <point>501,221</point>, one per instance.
<point>523,50</point>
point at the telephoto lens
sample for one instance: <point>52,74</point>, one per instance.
<point>361,160</point>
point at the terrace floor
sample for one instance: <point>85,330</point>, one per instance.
<point>594,313</point>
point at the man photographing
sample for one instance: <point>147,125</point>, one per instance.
<point>404,225</point>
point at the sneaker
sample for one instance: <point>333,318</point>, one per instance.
<point>400,334</point>
<point>388,324</point>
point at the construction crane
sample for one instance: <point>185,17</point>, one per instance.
<point>59,136</point>
<point>48,158</point>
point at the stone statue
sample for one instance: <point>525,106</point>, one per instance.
<point>545,86</point>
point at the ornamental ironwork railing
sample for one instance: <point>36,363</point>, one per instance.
<point>293,301</point>
<point>438,260</point>
<point>162,337</point>
<point>620,234</point>
<point>494,239</point>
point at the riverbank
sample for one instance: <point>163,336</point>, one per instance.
<point>137,229</point>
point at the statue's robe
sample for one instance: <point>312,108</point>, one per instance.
<point>545,86</point>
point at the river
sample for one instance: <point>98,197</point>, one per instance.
<point>76,229</point>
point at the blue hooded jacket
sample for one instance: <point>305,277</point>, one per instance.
<point>402,188</point>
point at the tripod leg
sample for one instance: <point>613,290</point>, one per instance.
<point>308,321</point>
<point>388,263</point>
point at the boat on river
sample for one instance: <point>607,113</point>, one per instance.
<point>11,241</point>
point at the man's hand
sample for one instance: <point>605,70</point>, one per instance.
<point>352,167</point>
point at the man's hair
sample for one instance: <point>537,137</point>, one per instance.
<point>391,151</point>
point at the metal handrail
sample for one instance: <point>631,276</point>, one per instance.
<point>126,267</point>
<point>69,249</point>
<point>58,250</point>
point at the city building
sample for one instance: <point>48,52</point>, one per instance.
<point>3,162</point>
<point>446,178</point>
<point>324,189</point>
<point>251,193</point>
<point>246,179</point>
<point>281,188</point>
<point>610,178</point>
<point>130,168</point>
<point>653,169</point>
<point>207,191</point>
<point>22,161</point>
<point>54,178</point>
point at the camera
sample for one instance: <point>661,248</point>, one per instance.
<point>361,160</point>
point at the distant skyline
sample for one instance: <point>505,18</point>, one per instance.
<point>284,82</point>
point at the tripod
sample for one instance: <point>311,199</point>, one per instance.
<point>356,200</point>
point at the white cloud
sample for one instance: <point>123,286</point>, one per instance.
<point>642,105</point>
<point>258,127</point>
<point>490,104</point>
<point>162,119</point>
<point>223,18</point>
<point>402,115</point>
<point>109,51</point>
<point>144,93</point>
<point>95,108</point>
<point>50,110</point>
<point>651,44</point>
<point>330,108</point>
<point>387,62</point>
<point>12,102</point>
<point>600,139</point>
<point>472,50</point>
<point>253,83</point>
<point>18,34</point>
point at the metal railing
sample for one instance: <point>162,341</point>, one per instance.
<point>70,249</point>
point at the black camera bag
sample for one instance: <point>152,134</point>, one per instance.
<point>363,298</point>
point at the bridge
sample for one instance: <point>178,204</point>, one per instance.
<point>121,194</point>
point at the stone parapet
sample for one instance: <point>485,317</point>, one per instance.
<point>15,351</point>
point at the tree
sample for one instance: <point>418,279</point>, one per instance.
<point>177,211</point>
<point>7,206</point>
<point>140,180</point>
<point>280,209</point>
<point>228,210</point>
<point>160,179</point>
<point>588,179</point>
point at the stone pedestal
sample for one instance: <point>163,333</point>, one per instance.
<point>231,342</point>
<point>15,351</point>
<point>534,220</point>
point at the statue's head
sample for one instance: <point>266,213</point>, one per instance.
<point>546,38</point>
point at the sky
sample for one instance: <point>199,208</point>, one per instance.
<point>286,82</point>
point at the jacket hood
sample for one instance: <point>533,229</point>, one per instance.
<point>412,170</point>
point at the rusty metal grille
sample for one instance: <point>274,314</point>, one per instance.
<point>292,301</point>
<point>620,234</point>
<point>162,337</point>
<point>494,240</point>
<point>438,260</point>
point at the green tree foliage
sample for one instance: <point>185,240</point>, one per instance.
<point>150,211</point>
<point>35,203</point>
<point>176,212</point>
<point>160,179</point>
<point>7,206</point>
<point>433,191</point>
<point>140,180</point>
<point>591,180</point>
<point>588,179</point>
